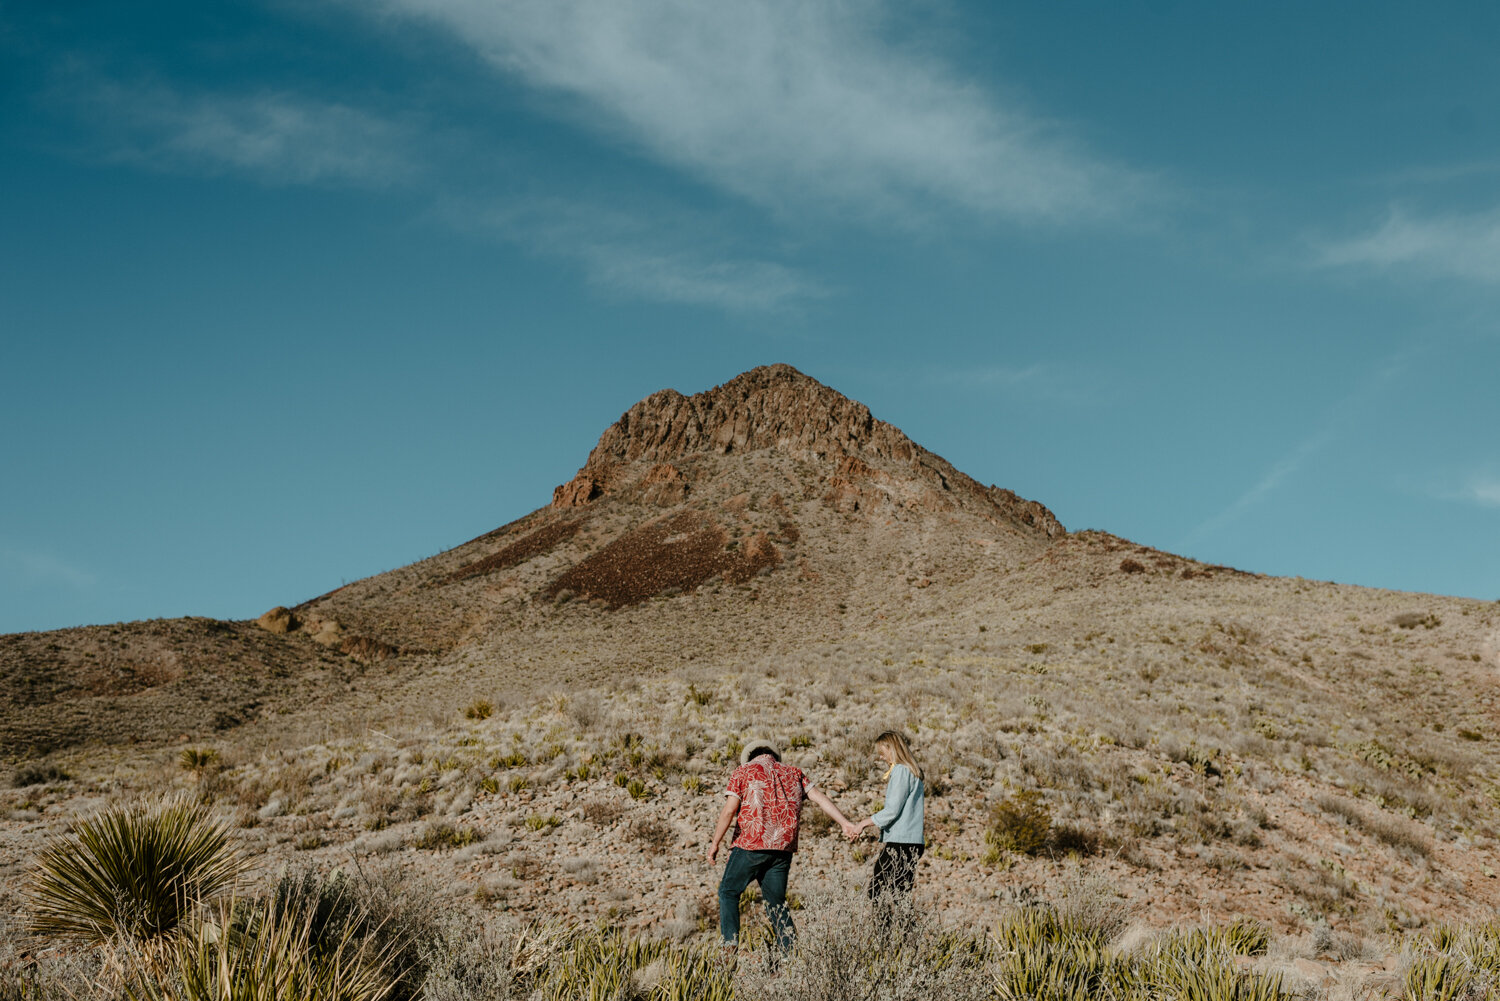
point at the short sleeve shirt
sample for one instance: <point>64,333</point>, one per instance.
<point>771,796</point>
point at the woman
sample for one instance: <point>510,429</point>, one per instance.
<point>899,821</point>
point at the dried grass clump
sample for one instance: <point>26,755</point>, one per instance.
<point>1402,835</point>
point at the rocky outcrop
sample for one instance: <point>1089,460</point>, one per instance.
<point>777,407</point>
<point>278,620</point>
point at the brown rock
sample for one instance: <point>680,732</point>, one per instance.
<point>326,633</point>
<point>778,408</point>
<point>278,620</point>
<point>664,485</point>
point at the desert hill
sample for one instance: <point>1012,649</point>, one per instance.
<point>772,487</point>
<point>565,692</point>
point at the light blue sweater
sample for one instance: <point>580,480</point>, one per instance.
<point>900,820</point>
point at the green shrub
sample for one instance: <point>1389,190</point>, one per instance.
<point>264,952</point>
<point>35,775</point>
<point>441,836</point>
<point>1020,823</point>
<point>195,759</point>
<point>132,873</point>
<point>479,709</point>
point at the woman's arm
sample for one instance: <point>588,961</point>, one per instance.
<point>726,817</point>
<point>826,805</point>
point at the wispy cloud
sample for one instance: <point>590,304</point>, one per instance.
<point>276,137</point>
<point>666,258</point>
<point>1480,488</point>
<point>1459,246</point>
<point>1334,424</point>
<point>794,104</point>
<point>1484,491</point>
<point>43,568</point>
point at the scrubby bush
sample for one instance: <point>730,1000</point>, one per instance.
<point>266,952</point>
<point>132,873</point>
<point>1021,823</point>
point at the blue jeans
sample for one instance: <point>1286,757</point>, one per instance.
<point>770,870</point>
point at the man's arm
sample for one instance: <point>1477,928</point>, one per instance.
<point>826,805</point>
<point>726,817</point>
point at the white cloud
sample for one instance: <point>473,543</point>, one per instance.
<point>43,568</point>
<point>1484,492</point>
<point>1460,246</point>
<point>794,104</point>
<point>668,258</point>
<point>277,137</point>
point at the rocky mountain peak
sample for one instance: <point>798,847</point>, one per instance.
<point>776,407</point>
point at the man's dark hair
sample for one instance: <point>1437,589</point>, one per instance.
<point>756,752</point>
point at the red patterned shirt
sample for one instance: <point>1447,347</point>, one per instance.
<point>770,804</point>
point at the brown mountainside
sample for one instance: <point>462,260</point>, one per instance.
<point>767,555</point>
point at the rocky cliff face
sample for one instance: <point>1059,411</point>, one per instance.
<point>870,463</point>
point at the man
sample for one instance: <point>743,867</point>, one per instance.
<point>765,803</point>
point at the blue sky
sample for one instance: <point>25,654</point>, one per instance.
<point>292,293</point>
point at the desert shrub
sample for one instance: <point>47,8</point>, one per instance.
<point>1021,823</point>
<point>479,709</point>
<point>1055,953</point>
<point>602,812</point>
<point>1411,620</point>
<point>847,951</point>
<point>133,873</point>
<point>542,822</point>
<point>197,759</point>
<point>1403,835</point>
<point>383,909</point>
<point>265,952</point>
<point>467,960</point>
<point>1073,839</point>
<point>1436,978</point>
<point>436,837</point>
<point>655,836</point>
<point>35,775</point>
<point>555,963</point>
<point>1128,565</point>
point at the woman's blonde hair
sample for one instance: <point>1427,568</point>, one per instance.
<point>900,750</point>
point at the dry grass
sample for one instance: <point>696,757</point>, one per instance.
<point>1177,723</point>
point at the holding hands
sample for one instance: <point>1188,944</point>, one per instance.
<point>852,831</point>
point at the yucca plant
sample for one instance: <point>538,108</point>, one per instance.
<point>133,873</point>
<point>196,759</point>
<point>1435,978</point>
<point>266,952</point>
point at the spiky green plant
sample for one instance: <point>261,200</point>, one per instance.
<point>197,759</point>
<point>265,952</point>
<point>1435,978</point>
<point>132,873</point>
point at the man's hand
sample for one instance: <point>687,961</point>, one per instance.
<point>852,831</point>
<point>713,852</point>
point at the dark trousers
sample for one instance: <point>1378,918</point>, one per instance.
<point>895,870</point>
<point>770,870</point>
